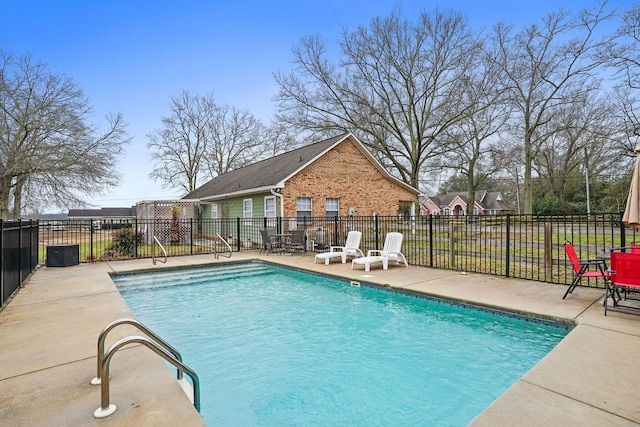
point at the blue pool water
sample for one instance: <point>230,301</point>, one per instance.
<point>275,347</point>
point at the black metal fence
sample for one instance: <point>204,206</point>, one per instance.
<point>18,254</point>
<point>516,246</point>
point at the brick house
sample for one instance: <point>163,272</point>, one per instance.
<point>334,177</point>
<point>455,204</point>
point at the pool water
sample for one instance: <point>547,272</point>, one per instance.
<point>274,346</point>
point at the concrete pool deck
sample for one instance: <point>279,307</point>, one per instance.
<point>48,335</point>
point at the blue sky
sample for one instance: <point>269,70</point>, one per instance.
<point>131,56</point>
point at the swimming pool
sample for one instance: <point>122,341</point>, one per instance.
<point>276,346</point>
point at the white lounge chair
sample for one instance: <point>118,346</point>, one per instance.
<point>390,252</point>
<point>350,248</point>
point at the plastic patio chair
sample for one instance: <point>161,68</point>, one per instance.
<point>390,252</point>
<point>624,277</point>
<point>590,268</point>
<point>350,248</point>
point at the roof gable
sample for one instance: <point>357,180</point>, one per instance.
<point>273,172</point>
<point>263,174</point>
<point>486,200</point>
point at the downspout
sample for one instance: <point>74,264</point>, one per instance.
<point>275,192</point>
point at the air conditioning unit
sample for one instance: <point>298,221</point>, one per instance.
<point>63,255</point>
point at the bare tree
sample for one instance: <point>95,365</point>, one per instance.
<point>542,63</point>
<point>237,139</point>
<point>627,56</point>
<point>49,150</point>
<point>279,138</point>
<point>179,149</point>
<point>396,86</point>
<point>200,140</point>
<point>582,143</point>
<point>471,140</point>
<point>626,59</point>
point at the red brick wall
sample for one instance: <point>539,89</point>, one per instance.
<point>346,174</point>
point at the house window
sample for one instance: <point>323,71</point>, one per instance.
<point>270,211</point>
<point>214,211</point>
<point>303,207</point>
<point>270,207</point>
<point>405,209</point>
<point>247,210</point>
<point>332,208</point>
<point>447,211</point>
<point>475,211</point>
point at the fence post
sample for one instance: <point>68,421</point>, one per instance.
<point>623,236</point>
<point>548,259</point>
<point>191,234</point>
<point>135,233</point>
<point>20,250</point>
<point>452,245</point>
<point>30,244</point>
<point>508,247</point>
<point>91,233</point>
<point>238,233</point>
<point>377,231</point>
<point>430,219</point>
<point>1,262</point>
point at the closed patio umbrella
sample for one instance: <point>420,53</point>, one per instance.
<point>631,217</point>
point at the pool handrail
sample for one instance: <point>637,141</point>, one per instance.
<point>226,244</point>
<point>106,408</point>
<point>153,252</point>
<point>129,321</point>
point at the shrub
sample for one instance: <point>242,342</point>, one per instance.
<point>125,242</point>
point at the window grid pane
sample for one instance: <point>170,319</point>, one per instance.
<point>332,208</point>
<point>270,207</point>
<point>303,207</point>
<point>247,209</point>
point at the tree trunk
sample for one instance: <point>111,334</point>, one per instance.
<point>17,198</point>
<point>528,184</point>
<point>5,187</point>
<point>471,188</point>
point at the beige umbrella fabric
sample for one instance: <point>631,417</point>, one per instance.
<point>631,217</point>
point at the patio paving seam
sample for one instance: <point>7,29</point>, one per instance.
<point>34,304</point>
<point>46,368</point>
<point>578,400</point>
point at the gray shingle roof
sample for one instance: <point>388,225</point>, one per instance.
<point>102,213</point>
<point>488,200</point>
<point>266,173</point>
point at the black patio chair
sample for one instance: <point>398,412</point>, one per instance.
<point>298,241</point>
<point>270,243</point>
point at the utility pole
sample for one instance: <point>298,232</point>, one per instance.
<point>586,175</point>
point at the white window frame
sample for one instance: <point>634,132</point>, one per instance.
<point>299,202</point>
<point>214,211</point>
<point>270,213</point>
<point>247,210</point>
<point>336,210</point>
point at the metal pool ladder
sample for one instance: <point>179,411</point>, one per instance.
<point>153,252</point>
<point>151,341</point>
<point>226,244</point>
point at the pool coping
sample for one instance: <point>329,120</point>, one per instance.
<point>50,328</point>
